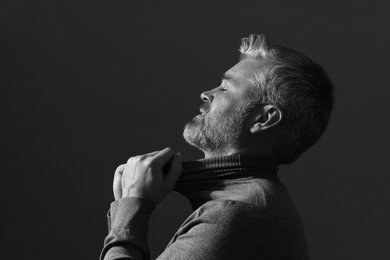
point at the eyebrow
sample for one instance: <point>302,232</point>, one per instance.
<point>228,78</point>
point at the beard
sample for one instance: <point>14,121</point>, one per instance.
<point>216,132</point>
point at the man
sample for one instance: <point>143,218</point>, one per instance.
<point>271,106</point>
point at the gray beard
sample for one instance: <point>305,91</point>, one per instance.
<point>215,133</point>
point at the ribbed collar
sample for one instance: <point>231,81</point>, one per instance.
<point>225,169</point>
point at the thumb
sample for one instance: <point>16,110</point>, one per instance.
<point>175,170</point>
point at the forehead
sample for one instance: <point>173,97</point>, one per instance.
<point>246,68</point>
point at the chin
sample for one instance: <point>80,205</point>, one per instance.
<point>192,133</point>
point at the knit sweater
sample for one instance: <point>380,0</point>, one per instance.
<point>240,211</point>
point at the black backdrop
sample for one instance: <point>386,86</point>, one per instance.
<point>87,84</point>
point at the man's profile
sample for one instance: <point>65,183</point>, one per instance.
<point>271,106</point>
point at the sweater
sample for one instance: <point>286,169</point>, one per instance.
<point>241,210</point>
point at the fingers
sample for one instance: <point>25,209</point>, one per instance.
<point>152,153</point>
<point>164,156</point>
<point>117,186</point>
<point>175,170</point>
<point>151,175</point>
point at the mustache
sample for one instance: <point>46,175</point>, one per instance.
<point>204,107</point>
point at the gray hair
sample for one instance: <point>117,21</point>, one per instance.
<point>299,87</point>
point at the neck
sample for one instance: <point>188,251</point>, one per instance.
<point>236,162</point>
<point>242,152</point>
<point>258,146</point>
<point>207,178</point>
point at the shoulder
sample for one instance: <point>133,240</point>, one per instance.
<point>258,192</point>
<point>232,215</point>
<point>222,208</point>
<point>225,229</point>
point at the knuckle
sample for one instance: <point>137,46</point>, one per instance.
<point>143,160</point>
<point>119,168</point>
<point>147,162</point>
<point>142,157</point>
<point>133,159</point>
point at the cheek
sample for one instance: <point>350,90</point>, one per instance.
<point>222,106</point>
<point>219,115</point>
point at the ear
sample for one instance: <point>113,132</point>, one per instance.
<point>267,117</point>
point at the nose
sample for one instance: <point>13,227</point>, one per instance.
<point>206,96</point>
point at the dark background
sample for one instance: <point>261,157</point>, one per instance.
<point>87,84</point>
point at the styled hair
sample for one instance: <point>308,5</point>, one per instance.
<point>299,87</point>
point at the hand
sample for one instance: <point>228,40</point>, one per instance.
<point>143,175</point>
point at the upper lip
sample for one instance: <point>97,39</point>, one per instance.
<point>204,109</point>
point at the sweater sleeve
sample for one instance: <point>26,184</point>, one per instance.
<point>220,229</point>
<point>128,227</point>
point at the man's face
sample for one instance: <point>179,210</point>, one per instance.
<point>222,125</point>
